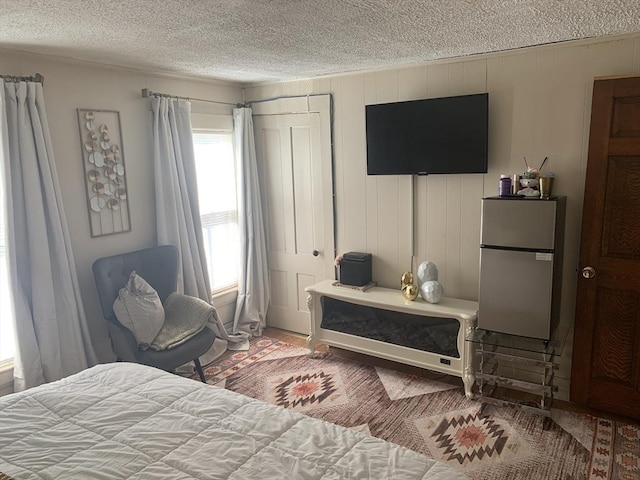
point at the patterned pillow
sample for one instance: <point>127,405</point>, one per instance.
<point>139,309</point>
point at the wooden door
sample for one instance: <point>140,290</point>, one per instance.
<point>299,216</point>
<point>606,358</point>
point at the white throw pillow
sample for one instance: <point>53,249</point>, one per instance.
<point>139,309</point>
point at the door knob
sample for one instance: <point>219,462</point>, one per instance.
<point>316,253</point>
<point>588,272</point>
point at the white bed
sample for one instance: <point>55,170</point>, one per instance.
<point>125,420</point>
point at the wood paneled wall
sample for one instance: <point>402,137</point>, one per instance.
<point>539,106</point>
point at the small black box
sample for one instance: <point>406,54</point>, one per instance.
<point>355,269</point>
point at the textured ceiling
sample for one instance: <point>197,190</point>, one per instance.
<point>259,40</point>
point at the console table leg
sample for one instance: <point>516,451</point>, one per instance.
<point>311,340</point>
<point>311,344</point>
<point>468,376</point>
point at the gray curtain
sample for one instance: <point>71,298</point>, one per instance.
<point>177,211</point>
<point>253,278</point>
<point>52,335</point>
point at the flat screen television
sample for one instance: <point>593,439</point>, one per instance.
<point>423,137</point>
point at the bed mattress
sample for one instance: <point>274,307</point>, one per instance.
<point>129,421</point>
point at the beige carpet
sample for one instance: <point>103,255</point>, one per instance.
<point>431,417</point>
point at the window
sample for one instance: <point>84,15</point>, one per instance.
<point>7,346</point>
<point>215,167</point>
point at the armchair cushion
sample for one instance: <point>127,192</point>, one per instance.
<point>185,317</point>
<point>139,309</point>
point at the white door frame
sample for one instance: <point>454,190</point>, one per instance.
<point>322,105</point>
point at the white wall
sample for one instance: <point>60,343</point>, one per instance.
<point>70,85</point>
<point>539,105</point>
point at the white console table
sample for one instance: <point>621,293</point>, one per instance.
<point>463,311</point>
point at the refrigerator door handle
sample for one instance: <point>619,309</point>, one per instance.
<point>516,249</point>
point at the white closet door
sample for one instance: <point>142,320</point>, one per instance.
<point>293,168</point>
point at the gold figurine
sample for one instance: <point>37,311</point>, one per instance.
<point>408,288</point>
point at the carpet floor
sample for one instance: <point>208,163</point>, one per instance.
<point>431,416</point>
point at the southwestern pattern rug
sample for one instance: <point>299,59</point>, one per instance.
<point>431,416</point>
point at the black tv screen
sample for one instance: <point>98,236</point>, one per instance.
<point>422,137</point>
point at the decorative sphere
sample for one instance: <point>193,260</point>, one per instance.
<point>432,291</point>
<point>410,291</point>
<point>406,279</point>
<point>427,271</point>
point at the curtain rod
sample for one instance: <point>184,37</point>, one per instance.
<point>148,93</point>
<point>38,77</point>
<point>283,97</point>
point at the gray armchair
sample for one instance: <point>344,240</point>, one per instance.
<point>159,267</point>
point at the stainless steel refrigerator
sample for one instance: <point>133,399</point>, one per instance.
<point>521,244</point>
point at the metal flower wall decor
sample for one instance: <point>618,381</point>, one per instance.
<point>104,172</point>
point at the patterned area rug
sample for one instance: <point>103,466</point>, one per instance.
<point>616,451</point>
<point>431,416</point>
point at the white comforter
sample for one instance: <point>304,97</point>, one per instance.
<point>124,420</point>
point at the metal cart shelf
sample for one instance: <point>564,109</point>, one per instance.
<point>500,361</point>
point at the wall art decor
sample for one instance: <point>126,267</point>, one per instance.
<point>104,171</point>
